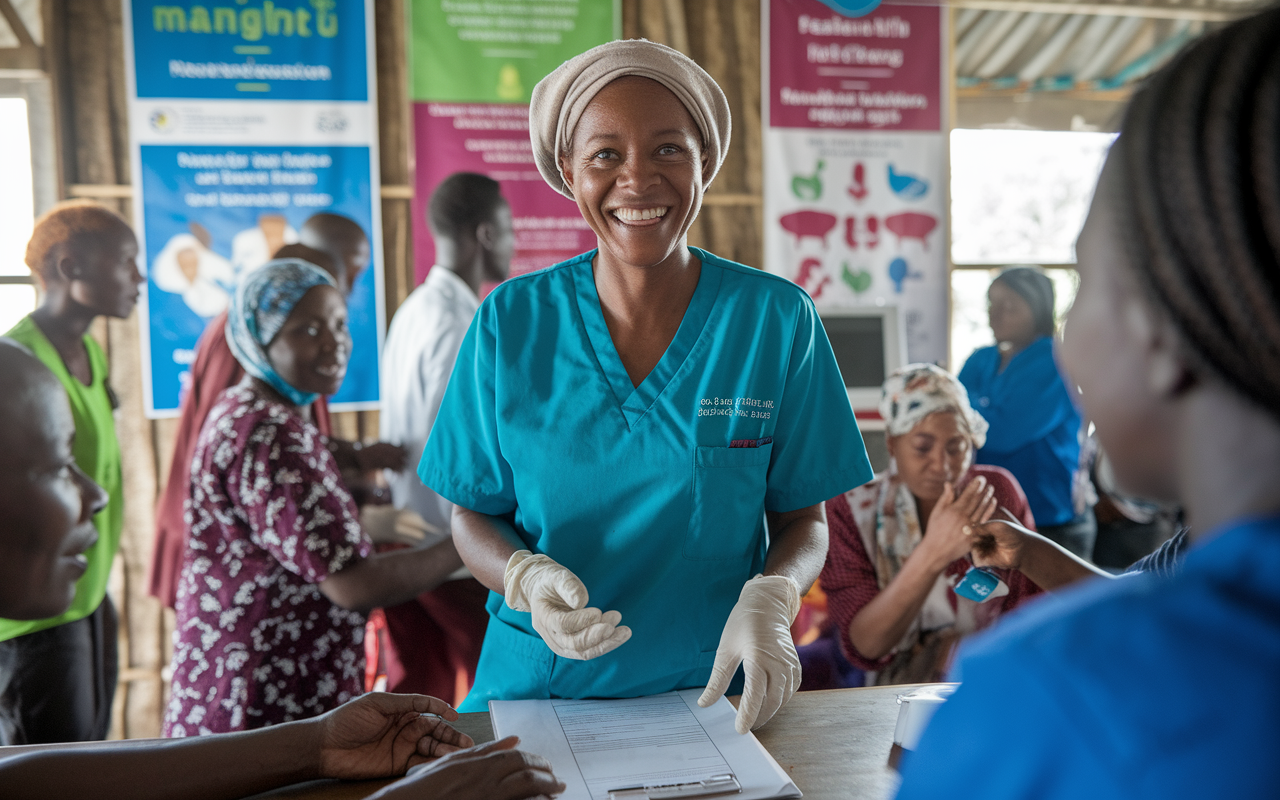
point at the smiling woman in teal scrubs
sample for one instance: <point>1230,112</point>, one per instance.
<point>631,435</point>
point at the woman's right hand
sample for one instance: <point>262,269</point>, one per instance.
<point>493,771</point>
<point>947,535</point>
<point>557,601</point>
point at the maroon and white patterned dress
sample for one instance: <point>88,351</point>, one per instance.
<point>256,641</point>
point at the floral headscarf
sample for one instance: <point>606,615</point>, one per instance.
<point>262,303</point>
<point>917,390</point>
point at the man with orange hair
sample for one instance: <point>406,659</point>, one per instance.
<point>58,675</point>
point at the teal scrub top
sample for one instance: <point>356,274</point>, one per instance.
<point>654,496</point>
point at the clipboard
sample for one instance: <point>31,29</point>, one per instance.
<point>715,785</point>
<point>660,747</point>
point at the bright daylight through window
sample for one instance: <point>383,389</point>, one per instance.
<point>16,210</point>
<point>1017,197</point>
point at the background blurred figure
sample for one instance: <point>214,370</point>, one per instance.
<point>434,643</point>
<point>215,370</point>
<point>58,675</point>
<point>1034,424</point>
<point>343,239</point>
<point>900,544</point>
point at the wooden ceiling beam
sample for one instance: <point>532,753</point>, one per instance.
<point>10,14</point>
<point>1151,11</point>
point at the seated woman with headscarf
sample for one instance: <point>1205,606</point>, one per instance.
<point>1017,387</point>
<point>278,572</point>
<point>900,544</point>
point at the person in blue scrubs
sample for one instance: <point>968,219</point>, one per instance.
<point>1035,425</point>
<point>1159,685</point>
<point>631,435</point>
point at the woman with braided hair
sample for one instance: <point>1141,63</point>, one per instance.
<point>1174,340</point>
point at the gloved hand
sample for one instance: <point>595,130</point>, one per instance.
<point>557,600</point>
<point>758,636</point>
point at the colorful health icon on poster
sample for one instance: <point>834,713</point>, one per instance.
<point>906,185</point>
<point>808,187</point>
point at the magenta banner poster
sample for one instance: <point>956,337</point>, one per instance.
<point>879,72</point>
<point>493,139</point>
<point>472,74</point>
<point>855,160</point>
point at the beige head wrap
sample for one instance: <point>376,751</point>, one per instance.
<point>560,98</point>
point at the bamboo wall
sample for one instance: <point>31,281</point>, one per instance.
<point>86,50</point>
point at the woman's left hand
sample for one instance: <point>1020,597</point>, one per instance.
<point>758,636</point>
<point>377,735</point>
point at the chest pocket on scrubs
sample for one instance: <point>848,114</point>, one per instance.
<point>728,502</point>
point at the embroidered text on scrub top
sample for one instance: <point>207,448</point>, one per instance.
<point>745,407</point>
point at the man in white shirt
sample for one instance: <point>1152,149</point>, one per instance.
<point>435,642</point>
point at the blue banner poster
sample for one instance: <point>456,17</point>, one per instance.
<point>247,119</point>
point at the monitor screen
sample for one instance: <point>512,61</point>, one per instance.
<point>858,342</point>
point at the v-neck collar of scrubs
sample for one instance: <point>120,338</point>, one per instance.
<point>635,401</point>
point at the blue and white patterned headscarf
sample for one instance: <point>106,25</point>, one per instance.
<point>262,303</point>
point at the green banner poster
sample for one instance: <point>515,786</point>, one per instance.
<point>474,65</point>
<point>494,52</point>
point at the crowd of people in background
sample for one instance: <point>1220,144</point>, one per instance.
<point>272,551</point>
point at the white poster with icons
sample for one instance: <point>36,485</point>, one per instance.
<point>855,159</point>
<point>859,219</point>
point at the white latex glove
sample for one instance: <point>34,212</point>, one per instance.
<point>557,600</point>
<point>758,636</point>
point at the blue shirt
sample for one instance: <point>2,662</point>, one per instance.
<point>1145,686</point>
<point>654,496</point>
<point>1035,427</point>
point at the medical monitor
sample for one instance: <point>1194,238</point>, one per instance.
<point>869,344</point>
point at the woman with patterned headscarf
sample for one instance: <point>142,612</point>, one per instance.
<point>900,544</point>
<point>278,572</point>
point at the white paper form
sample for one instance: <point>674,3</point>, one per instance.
<point>595,746</point>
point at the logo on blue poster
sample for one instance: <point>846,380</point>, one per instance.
<point>244,50</point>
<point>852,8</point>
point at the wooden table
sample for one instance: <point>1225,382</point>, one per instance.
<point>834,744</point>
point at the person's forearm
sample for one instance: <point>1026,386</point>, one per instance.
<point>878,627</point>
<point>797,545</point>
<point>486,544</point>
<point>1051,566</point>
<point>393,577</point>
<point>201,768</point>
